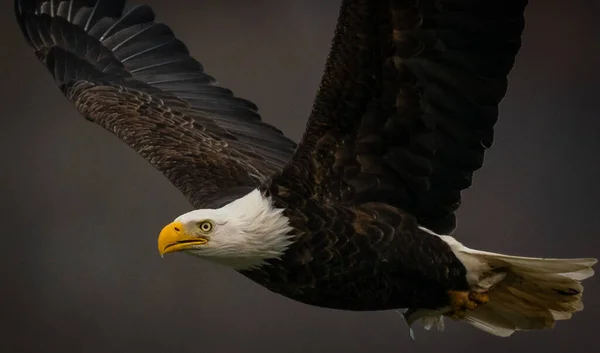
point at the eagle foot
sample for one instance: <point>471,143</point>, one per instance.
<point>461,301</point>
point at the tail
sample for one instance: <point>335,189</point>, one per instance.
<point>525,293</point>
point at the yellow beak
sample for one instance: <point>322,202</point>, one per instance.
<point>173,238</point>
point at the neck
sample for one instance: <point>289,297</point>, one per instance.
<point>259,232</point>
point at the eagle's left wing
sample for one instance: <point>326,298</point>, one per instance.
<point>132,76</point>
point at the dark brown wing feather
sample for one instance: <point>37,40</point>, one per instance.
<point>129,74</point>
<point>408,103</point>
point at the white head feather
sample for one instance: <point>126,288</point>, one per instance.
<point>245,232</point>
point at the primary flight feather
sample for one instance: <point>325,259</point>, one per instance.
<point>357,216</point>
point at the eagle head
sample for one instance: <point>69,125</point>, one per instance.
<point>242,234</point>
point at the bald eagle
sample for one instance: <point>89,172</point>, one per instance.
<point>359,214</point>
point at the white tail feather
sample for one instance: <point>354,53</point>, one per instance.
<point>525,293</point>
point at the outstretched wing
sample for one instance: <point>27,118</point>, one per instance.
<point>408,102</point>
<point>130,75</point>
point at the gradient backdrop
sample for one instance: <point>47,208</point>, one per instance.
<point>80,211</point>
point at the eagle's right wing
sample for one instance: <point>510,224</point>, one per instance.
<point>408,103</point>
<point>130,75</point>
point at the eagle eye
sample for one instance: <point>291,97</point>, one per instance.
<point>205,226</point>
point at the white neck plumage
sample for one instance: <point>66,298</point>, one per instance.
<point>248,232</point>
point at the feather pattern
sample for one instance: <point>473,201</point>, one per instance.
<point>408,102</point>
<point>132,76</point>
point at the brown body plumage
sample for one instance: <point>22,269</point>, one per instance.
<point>384,143</point>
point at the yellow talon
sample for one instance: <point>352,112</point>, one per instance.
<point>461,301</point>
<point>479,298</point>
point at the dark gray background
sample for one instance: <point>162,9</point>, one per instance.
<point>81,211</point>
